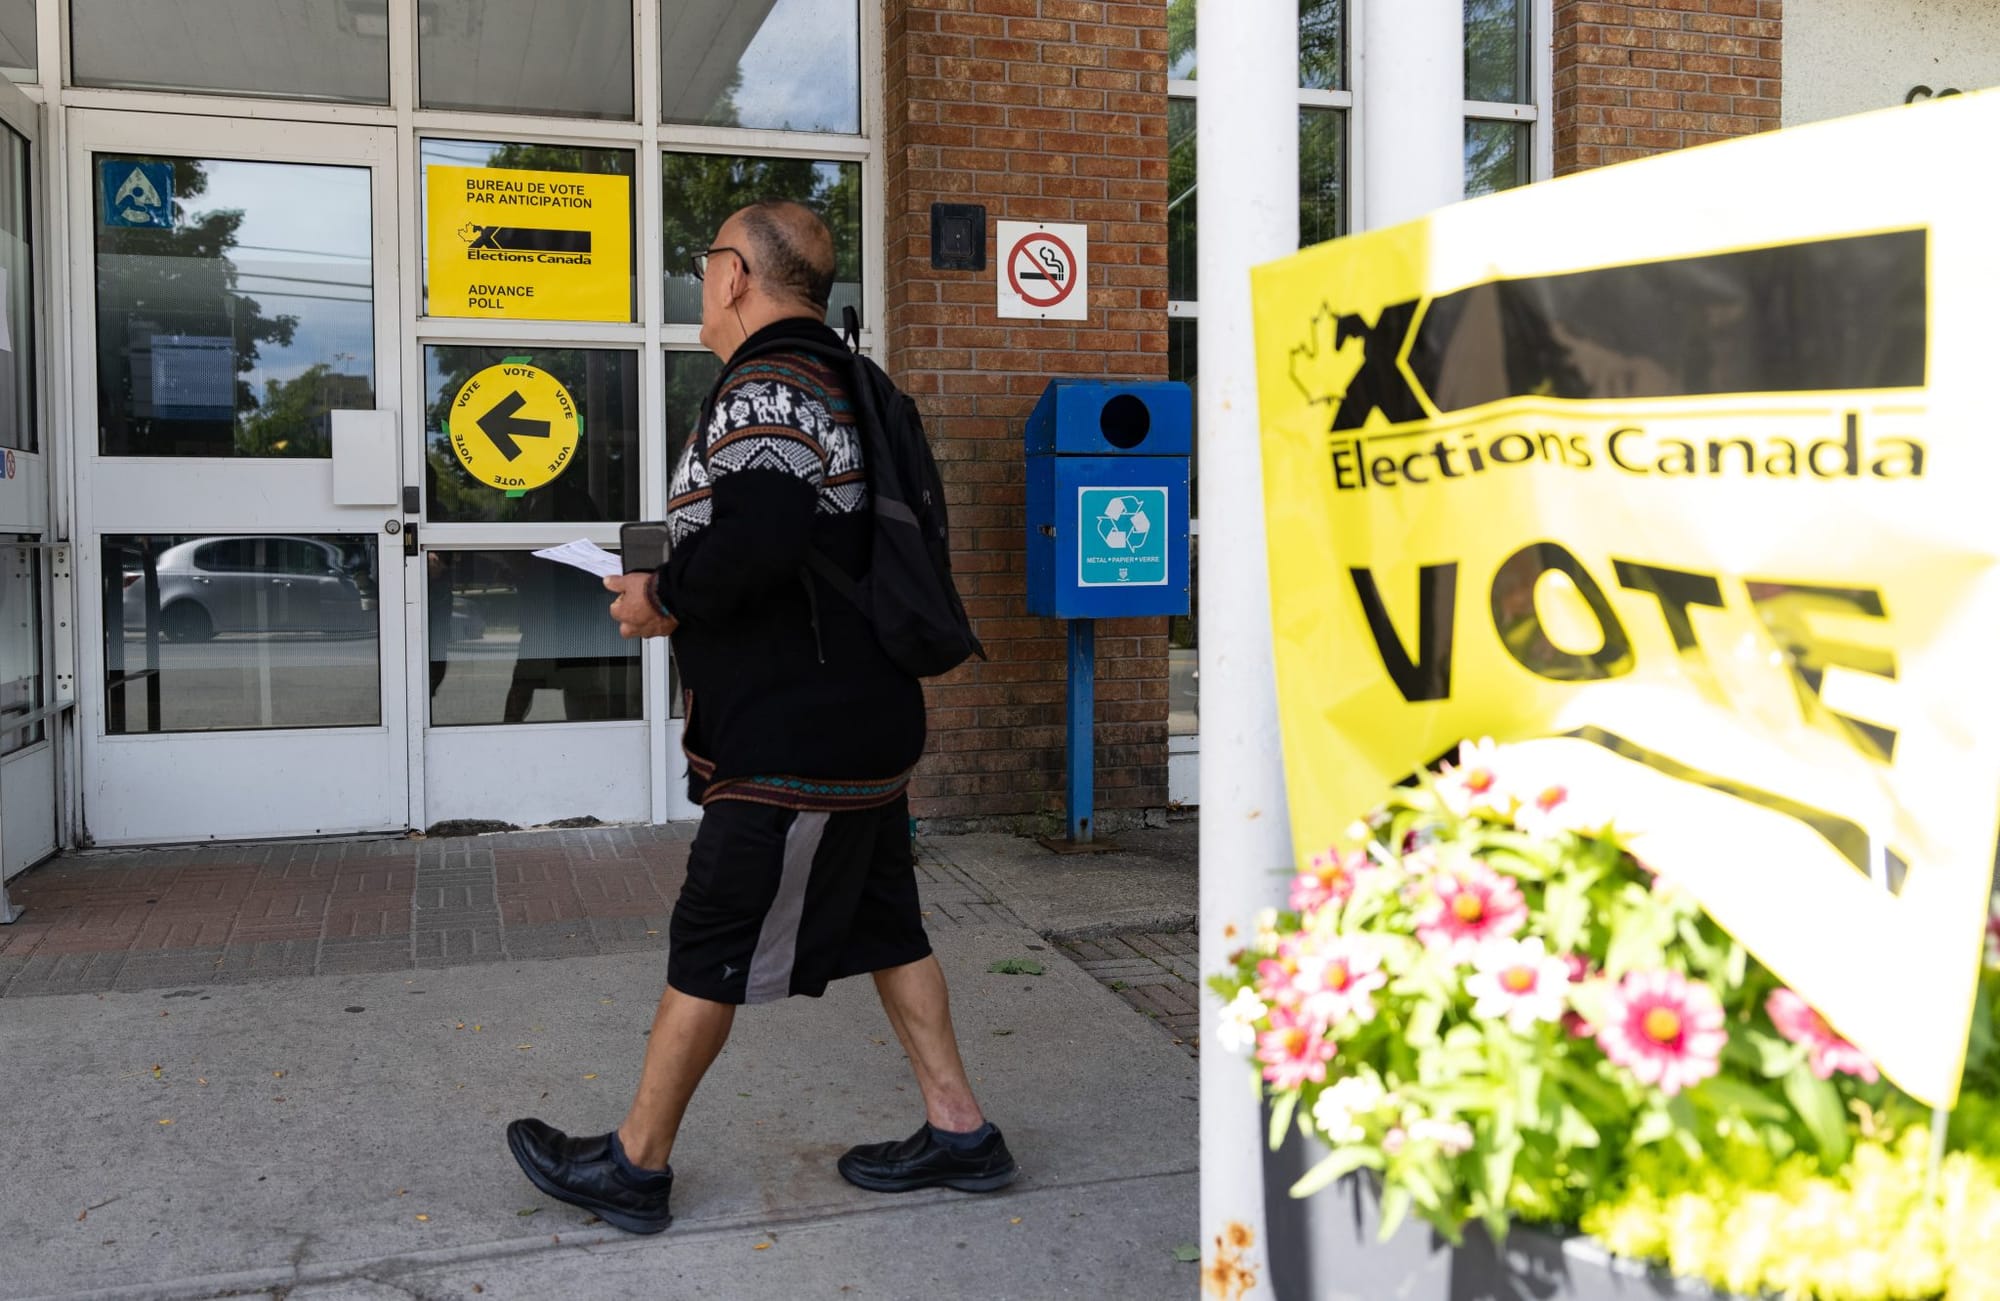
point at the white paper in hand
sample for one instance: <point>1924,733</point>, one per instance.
<point>585,555</point>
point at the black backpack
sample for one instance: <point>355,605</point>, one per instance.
<point>907,593</point>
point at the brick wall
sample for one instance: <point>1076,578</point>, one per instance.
<point>1648,76</point>
<point>1042,110</point>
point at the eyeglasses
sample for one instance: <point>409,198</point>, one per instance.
<point>698,262</point>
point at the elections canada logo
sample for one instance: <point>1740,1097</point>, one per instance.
<point>1124,525</point>
<point>1668,370</point>
<point>525,244</point>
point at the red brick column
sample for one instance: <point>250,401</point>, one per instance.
<point>1647,76</point>
<point>1042,110</point>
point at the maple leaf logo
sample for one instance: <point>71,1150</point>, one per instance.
<point>1326,363</point>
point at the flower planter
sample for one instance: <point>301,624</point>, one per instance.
<point>1415,1264</point>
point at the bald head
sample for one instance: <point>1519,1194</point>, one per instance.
<point>791,249</point>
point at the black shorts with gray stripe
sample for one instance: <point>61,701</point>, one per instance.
<point>779,902</point>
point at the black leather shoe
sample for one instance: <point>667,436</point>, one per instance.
<point>920,1161</point>
<point>583,1172</point>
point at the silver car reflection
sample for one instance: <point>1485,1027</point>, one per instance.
<point>250,584</point>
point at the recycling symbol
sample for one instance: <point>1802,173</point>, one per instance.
<point>1124,526</point>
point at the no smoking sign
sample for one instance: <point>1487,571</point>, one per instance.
<point>1043,271</point>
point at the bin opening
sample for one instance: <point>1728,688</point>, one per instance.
<point>1125,421</point>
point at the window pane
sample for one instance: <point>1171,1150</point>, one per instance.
<point>1181,270</point>
<point>1496,156</point>
<point>20,644</point>
<point>702,190</point>
<point>1496,51</point>
<point>289,49</point>
<point>235,305</point>
<point>689,377</point>
<point>17,298</point>
<point>1323,44</point>
<point>526,158</point>
<point>569,57</point>
<point>1322,174</point>
<point>245,637</point>
<point>17,38</point>
<point>792,65</point>
<point>1180,39</point>
<point>518,639</point>
<point>1184,657</point>
<point>1181,366</point>
<point>1183,681</point>
<point>600,482</point>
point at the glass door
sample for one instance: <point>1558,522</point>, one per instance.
<point>29,705</point>
<point>239,472</point>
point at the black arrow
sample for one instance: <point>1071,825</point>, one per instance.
<point>503,426</point>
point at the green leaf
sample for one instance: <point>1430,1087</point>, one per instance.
<point>1395,1209</point>
<point>1281,1117</point>
<point>1573,1129</point>
<point>1818,1105</point>
<point>1775,1056</point>
<point>1342,1161</point>
<point>1016,967</point>
<point>1567,912</point>
<point>1589,1088</point>
<point>1724,1095</point>
<point>1653,1125</point>
<point>1187,1253</point>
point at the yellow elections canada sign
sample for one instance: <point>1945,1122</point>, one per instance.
<point>552,246</point>
<point>513,427</point>
<point>1679,473</point>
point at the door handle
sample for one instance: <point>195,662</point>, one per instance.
<point>281,582</point>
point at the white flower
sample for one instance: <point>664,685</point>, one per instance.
<point>1236,1024</point>
<point>1517,980</point>
<point>1451,1136</point>
<point>1475,785</point>
<point>1267,931</point>
<point>1338,1111</point>
<point>1552,808</point>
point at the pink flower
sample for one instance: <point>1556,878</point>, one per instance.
<point>1664,1028</point>
<point>1329,878</point>
<point>1517,980</point>
<point>1467,908</point>
<point>1798,1022</point>
<point>1277,976</point>
<point>1474,785</point>
<point>1295,1050</point>
<point>1340,981</point>
<point>1993,936</point>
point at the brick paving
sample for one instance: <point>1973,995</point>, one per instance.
<point>1158,974</point>
<point>222,914</point>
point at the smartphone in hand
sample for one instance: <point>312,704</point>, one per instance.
<point>643,545</point>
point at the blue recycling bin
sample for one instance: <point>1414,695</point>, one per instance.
<point>1107,531</point>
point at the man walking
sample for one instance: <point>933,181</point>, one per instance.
<point>800,737</point>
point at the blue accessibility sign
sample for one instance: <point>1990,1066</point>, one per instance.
<point>1121,537</point>
<point>136,194</point>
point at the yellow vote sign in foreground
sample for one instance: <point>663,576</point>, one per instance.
<point>550,246</point>
<point>1681,473</point>
<point>513,426</point>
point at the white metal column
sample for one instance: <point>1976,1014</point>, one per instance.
<point>1413,134</point>
<point>1247,151</point>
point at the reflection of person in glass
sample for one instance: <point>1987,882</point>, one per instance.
<point>566,643</point>
<point>800,737</point>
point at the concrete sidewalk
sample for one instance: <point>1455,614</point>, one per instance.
<point>315,1118</point>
